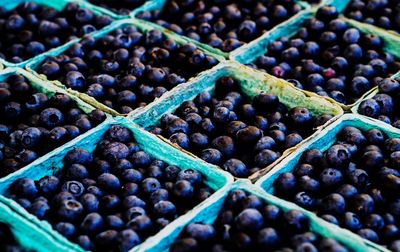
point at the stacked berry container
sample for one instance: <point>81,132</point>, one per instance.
<point>168,125</point>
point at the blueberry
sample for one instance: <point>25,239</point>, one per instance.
<point>334,204</point>
<point>92,223</point>
<point>330,218</point>
<point>79,156</point>
<point>338,156</point>
<point>25,188</point>
<point>109,203</point>
<point>286,183</point>
<point>39,208</point>
<point>249,219</point>
<point>65,228</point>
<point>236,168</point>
<point>128,239</point>
<point>89,202</point>
<point>69,210</point>
<point>351,221</point>
<point>304,200</point>
<point>182,189</point>
<point>268,237</point>
<point>200,232</point>
<point>295,221</point>
<point>48,185</point>
<point>150,185</point>
<point>265,158</point>
<point>140,224</point>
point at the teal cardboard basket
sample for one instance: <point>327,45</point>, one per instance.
<point>48,89</point>
<point>53,165</point>
<point>252,82</point>
<point>57,5</point>
<point>208,213</point>
<point>249,53</point>
<point>115,15</point>
<point>33,65</point>
<point>325,138</point>
<point>158,5</point>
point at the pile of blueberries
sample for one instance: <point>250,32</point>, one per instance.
<point>32,123</point>
<point>223,24</point>
<point>354,184</point>
<point>384,105</point>
<point>113,199</point>
<point>241,136</point>
<point>8,242</point>
<point>121,7</point>
<point>31,29</point>
<point>246,223</point>
<point>382,13</point>
<point>126,68</point>
<point>328,57</point>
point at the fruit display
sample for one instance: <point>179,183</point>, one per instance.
<point>225,25</point>
<point>199,125</point>
<point>383,105</point>
<point>384,14</point>
<point>127,68</point>
<point>247,223</point>
<point>31,29</point>
<point>330,58</point>
<point>114,198</point>
<point>33,123</point>
<point>240,135</point>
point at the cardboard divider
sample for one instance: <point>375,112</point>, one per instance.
<point>208,213</point>
<point>49,89</point>
<point>33,65</point>
<point>251,52</point>
<point>58,5</point>
<point>53,165</point>
<point>325,138</point>
<point>252,82</point>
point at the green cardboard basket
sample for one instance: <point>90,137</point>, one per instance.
<point>325,138</point>
<point>251,52</point>
<point>53,165</point>
<point>48,89</point>
<point>58,5</point>
<point>209,211</point>
<point>33,65</point>
<point>252,82</point>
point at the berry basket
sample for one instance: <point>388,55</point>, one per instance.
<point>250,53</point>
<point>158,5</point>
<point>323,140</point>
<point>50,90</point>
<point>126,12</point>
<point>251,83</point>
<point>57,5</point>
<point>19,219</point>
<point>209,211</point>
<point>34,65</point>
